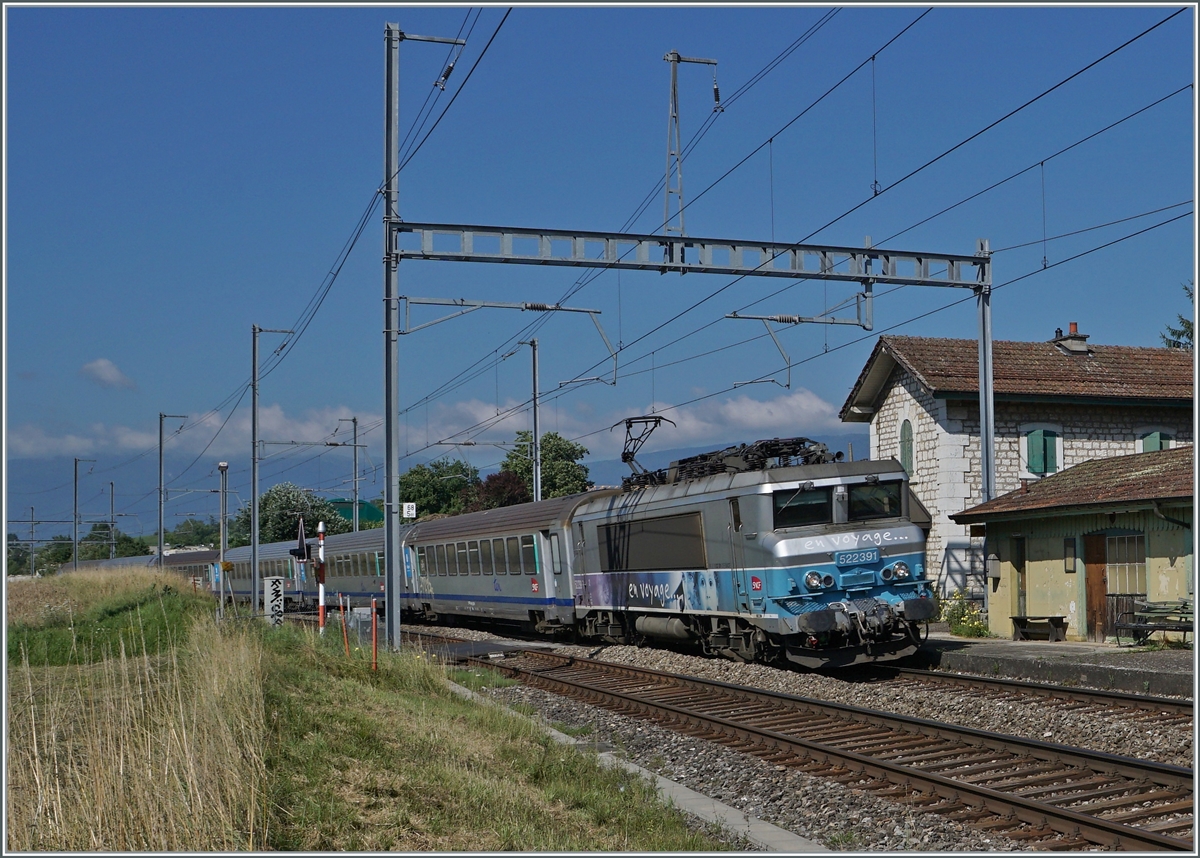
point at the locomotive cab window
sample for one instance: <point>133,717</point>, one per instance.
<point>878,500</point>
<point>799,507</point>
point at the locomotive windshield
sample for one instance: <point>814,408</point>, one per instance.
<point>879,500</point>
<point>799,507</point>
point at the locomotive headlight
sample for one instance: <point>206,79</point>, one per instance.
<point>900,570</point>
<point>813,580</point>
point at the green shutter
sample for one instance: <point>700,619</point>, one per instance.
<point>1036,452</point>
<point>906,447</point>
<point>1042,451</point>
<point>1156,441</point>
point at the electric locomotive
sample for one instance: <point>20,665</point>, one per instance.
<point>775,551</point>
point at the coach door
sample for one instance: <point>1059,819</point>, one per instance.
<point>553,568</point>
<point>1095,566</point>
<point>737,556</point>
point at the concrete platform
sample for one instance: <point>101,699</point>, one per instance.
<point>1094,665</point>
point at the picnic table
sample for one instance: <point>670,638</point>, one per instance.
<point>1149,617</point>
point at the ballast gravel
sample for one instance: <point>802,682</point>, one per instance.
<point>840,817</point>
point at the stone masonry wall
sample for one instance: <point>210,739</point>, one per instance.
<point>946,459</point>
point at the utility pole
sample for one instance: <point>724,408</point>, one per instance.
<point>75,519</point>
<point>393,36</point>
<point>674,152</point>
<point>354,420</point>
<point>112,521</point>
<point>161,490</point>
<point>32,539</point>
<point>255,330</point>
<point>537,434</point>
<point>223,467</point>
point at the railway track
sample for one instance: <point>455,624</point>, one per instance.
<point>1165,711</point>
<point>1051,796</point>
<point>1156,710</point>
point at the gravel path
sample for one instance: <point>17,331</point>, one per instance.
<point>838,816</point>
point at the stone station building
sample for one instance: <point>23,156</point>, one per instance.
<point>1057,404</point>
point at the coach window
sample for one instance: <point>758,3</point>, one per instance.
<point>513,549</point>
<point>378,564</point>
<point>485,556</point>
<point>501,559</point>
<point>878,500</point>
<point>463,568</point>
<point>803,505</point>
<point>442,567</point>
<point>421,569</point>
<point>528,555</point>
<point>473,556</point>
<point>555,555</point>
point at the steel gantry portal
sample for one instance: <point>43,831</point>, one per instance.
<point>867,266</point>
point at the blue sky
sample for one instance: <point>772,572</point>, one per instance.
<point>175,175</point>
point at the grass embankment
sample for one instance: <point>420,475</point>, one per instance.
<point>148,727</point>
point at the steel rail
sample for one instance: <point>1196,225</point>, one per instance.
<point>1068,822</point>
<point>1097,697</point>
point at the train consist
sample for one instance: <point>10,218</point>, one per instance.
<point>775,552</point>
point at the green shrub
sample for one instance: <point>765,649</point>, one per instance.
<point>964,617</point>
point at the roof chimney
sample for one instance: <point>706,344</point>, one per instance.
<point>1074,343</point>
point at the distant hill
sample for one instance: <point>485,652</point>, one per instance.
<point>610,472</point>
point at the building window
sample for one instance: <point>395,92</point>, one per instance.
<point>1152,441</point>
<point>1126,564</point>
<point>906,447</point>
<point>1041,448</point>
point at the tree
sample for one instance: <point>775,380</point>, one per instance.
<point>562,473</point>
<point>95,545</point>
<point>279,511</point>
<point>17,561</point>
<point>503,488</point>
<point>439,486</point>
<point>51,556</point>
<point>1181,337</point>
<point>193,531</point>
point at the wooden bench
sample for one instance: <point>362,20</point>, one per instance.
<point>1150,617</point>
<point>1051,628</point>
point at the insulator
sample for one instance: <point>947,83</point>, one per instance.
<point>441,81</point>
<point>541,308</point>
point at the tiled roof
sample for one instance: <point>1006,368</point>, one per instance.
<point>1022,369</point>
<point>1139,478</point>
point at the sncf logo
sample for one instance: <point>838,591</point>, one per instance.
<point>534,582</point>
<point>755,583</point>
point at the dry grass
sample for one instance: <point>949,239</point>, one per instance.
<point>149,753</point>
<point>38,601</point>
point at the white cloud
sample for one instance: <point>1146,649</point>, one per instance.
<point>32,442</point>
<point>721,420</point>
<point>106,374</point>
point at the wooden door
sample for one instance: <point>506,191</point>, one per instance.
<point>1095,566</point>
